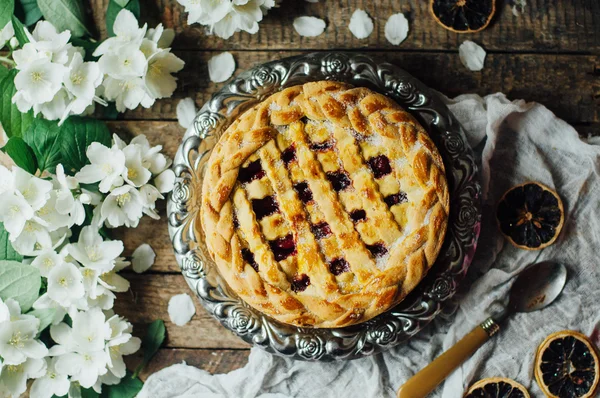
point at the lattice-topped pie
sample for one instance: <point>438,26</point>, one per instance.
<point>324,205</point>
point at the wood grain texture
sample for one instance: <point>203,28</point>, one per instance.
<point>544,26</point>
<point>148,300</point>
<point>212,361</point>
<point>569,85</point>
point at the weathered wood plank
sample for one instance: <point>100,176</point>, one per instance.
<point>212,361</point>
<point>567,84</point>
<point>148,300</point>
<point>545,25</point>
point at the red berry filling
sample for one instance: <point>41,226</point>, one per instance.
<point>377,249</point>
<point>249,258</point>
<point>254,171</point>
<point>304,192</point>
<point>338,265</point>
<point>395,199</point>
<point>283,247</point>
<point>321,146</point>
<point>380,165</point>
<point>265,207</point>
<point>289,155</point>
<point>358,215</point>
<point>300,283</point>
<point>321,230</point>
<point>339,180</point>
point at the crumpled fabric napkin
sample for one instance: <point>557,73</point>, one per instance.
<point>516,142</point>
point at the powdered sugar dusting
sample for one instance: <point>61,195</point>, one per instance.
<point>274,107</point>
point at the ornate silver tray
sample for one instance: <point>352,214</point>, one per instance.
<point>387,329</point>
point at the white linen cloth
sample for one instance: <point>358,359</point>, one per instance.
<point>517,142</point>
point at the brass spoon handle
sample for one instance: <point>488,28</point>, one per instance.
<point>425,381</point>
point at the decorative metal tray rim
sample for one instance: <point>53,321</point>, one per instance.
<point>386,330</point>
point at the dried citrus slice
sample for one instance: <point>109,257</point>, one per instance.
<point>463,16</point>
<point>566,366</point>
<point>530,215</point>
<point>497,387</point>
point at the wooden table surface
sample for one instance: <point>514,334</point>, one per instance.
<point>549,54</point>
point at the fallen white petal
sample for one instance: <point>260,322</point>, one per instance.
<point>396,29</point>
<point>471,55</point>
<point>142,258</point>
<point>181,309</point>
<point>309,26</point>
<point>221,67</point>
<point>361,25</point>
<point>186,112</point>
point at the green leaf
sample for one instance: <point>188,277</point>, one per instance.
<point>77,133</point>
<point>3,71</point>
<point>129,387</point>
<point>7,8</point>
<point>43,136</point>
<point>65,14</point>
<point>113,9</point>
<point>19,31</point>
<point>21,154</point>
<point>14,122</point>
<point>155,336</point>
<point>90,393</point>
<point>20,282</point>
<point>7,252</point>
<point>31,10</point>
<point>45,315</point>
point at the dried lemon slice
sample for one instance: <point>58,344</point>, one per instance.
<point>463,16</point>
<point>530,215</point>
<point>497,387</point>
<point>566,366</point>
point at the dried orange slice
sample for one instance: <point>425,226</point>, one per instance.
<point>497,387</point>
<point>463,16</point>
<point>566,366</point>
<point>530,216</point>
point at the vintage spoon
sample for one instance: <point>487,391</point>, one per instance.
<point>534,288</point>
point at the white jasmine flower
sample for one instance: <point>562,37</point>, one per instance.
<point>309,26</point>
<point>38,82</point>
<point>135,173</point>
<point>14,213</point>
<point>107,165</point>
<point>159,80</point>
<point>361,25</point>
<point>10,310</point>
<point>128,62</point>
<point>17,341</point>
<point>112,280</point>
<point>51,217</point>
<point>181,309</point>
<point>104,300</point>
<point>143,258</point>
<point>165,181</point>
<point>50,43</point>
<point>45,302</point>
<point>26,55</point>
<point>123,206</point>
<point>471,55</point>
<point>186,112</point>
<point>66,202</point>
<point>7,180</point>
<point>81,81</point>
<point>127,32</point>
<point>65,284</point>
<point>52,383</point>
<point>14,377</point>
<point>83,367</point>
<point>161,36</point>
<point>55,108</point>
<point>47,260</point>
<point>221,67</point>
<point>33,189</point>
<point>120,343</point>
<point>90,330</point>
<point>150,194</point>
<point>152,159</point>
<point>6,34</point>
<point>127,93</point>
<point>396,29</point>
<point>91,251</point>
<point>205,12</point>
<point>34,235</point>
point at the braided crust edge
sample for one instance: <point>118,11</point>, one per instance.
<point>409,260</point>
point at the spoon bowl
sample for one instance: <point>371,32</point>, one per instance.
<point>537,286</point>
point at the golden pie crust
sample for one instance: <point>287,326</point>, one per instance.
<point>324,205</point>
